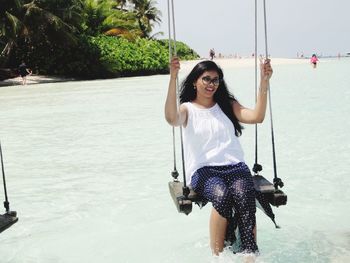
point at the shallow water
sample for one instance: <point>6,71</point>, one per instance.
<point>88,163</point>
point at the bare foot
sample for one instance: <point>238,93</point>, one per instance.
<point>250,258</point>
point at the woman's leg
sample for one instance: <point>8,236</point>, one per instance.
<point>216,191</point>
<point>217,228</point>
<point>242,190</point>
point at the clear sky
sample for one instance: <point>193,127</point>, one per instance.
<point>293,26</point>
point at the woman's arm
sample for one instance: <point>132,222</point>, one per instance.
<point>257,114</point>
<point>174,116</point>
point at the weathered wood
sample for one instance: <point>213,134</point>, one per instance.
<point>262,185</point>
<point>6,221</point>
<point>184,205</point>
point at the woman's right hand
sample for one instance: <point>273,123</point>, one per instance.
<point>265,69</point>
<point>174,67</point>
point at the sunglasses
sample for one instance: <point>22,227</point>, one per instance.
<point>207,80</point>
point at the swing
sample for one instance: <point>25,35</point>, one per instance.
<point>10,217</point>
<point>182,195</point>
<point>7,220</point>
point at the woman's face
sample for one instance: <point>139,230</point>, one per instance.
<point>207,84</point>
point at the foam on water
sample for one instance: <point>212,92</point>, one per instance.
<point>88,163</point>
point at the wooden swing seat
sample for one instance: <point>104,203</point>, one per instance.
<point>7,220</point>
<point>261,184</point>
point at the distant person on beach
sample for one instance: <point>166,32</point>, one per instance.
<point>212,53</point>
<point>24,71</point>
<point>314,60</point>
<point>211,118</point>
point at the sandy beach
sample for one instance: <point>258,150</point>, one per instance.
<point>243,62</point>
<point>185,65</point>
<point>33,79</point>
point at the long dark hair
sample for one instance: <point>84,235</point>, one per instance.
<point>222,96</point>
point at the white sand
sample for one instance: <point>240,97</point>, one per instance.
<point>243,62</point>
<point>185,65</point>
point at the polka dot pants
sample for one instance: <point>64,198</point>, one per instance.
<point>230,187</point>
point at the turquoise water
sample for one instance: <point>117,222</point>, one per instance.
<point>88,163</point>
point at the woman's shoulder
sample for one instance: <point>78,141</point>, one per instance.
<point>186,105</point>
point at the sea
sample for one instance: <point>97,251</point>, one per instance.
<point>87,167</point>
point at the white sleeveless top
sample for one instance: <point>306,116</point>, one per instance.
<point>209,139</point>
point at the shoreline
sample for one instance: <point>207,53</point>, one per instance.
<point>32,80</point>
<point>185,65</point>
<point>243,62</point>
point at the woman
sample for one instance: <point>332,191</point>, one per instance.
<point>215,168</point>
<point>314,60</point>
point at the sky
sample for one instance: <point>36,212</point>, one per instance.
<point>293,26</point>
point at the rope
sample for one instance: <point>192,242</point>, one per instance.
<point>257,167</point>
<point>6,203</point>
<point>277,181</point>
<point>186,190</point>
<point>174,173</point>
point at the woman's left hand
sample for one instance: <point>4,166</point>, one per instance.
<point>265,69</point>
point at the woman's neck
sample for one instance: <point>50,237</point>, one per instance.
<point>204,102</point>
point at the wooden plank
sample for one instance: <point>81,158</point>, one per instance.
<point>263,185</point>
<point>6,221</point>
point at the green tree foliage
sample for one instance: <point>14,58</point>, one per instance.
<point>140,57</point>
<point>95,15</point>
<point>104,56</point>
<point>103,17</point>
<point>38,24</point>
<point>147,15</point>
<point>126,58</point>
<point>182,50</point>
<point>11,26</point>
<point>84,38</point>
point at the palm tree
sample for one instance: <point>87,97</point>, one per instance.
<point>122,23</point>
<point>10,25</point>
<point>44,20</point>
<point>36,23</point>
<point>95,13</point>
<point>121,3</point>
<point>146,14</point>
<point>103,17</point>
